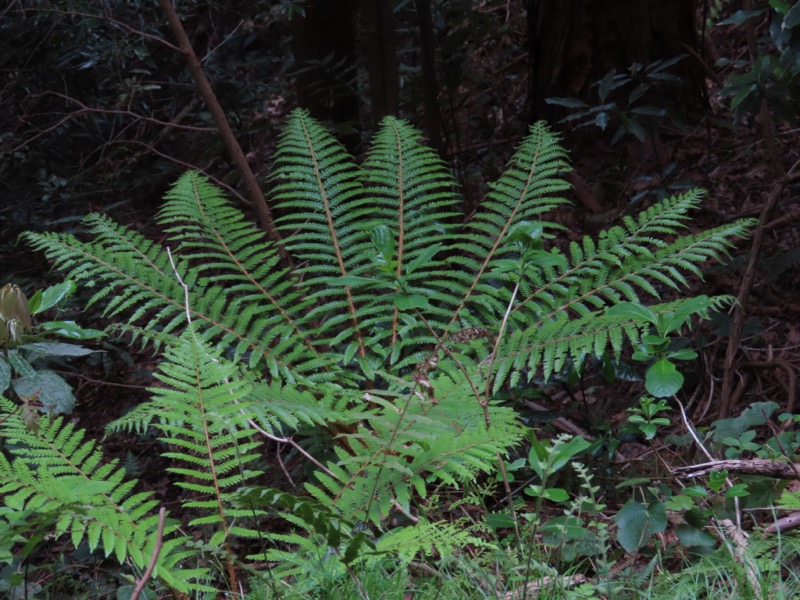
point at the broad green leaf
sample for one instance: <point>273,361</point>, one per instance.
<point>679,502</point>
<point>792,18</point>
<point>383,240</point>
<point>543,258</point>
<point>753,416</point>
<point>569,528</point>
<point>354,281</point>
<point>556,494</point>
<point>649,111</point>
<point>740,16</point>
<point>601,120</point>
<point>49,388</point>
<point>528,234</point>
<point>663,379</point>
<point>683,354</point>
<point>691,536</point>
<point>637,522</point>
<point>57,349</point>
<point>410,301</point>
<point>55,294</point>
<point>567,102</point>
<point>633,311</point>
<point>738,490</point>
<point>423,258</point>
<point>565,452</point>
<point>606,85</point>
<point>499,521</point>
<point>70,330</point>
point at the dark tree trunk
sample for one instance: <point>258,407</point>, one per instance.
<point>574,43</point>
<point>432,122</point>
<point>325,55</point>
<point>384,82</point>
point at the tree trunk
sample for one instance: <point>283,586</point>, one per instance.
<point>432,122</point>
<point>325,55</point>
<point>384,81</point>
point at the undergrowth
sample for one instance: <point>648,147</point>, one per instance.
<point>379,356</point>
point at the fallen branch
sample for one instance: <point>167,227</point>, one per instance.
<point>755,466</point>
<point>784,524</point>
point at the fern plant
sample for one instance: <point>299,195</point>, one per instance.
<point>55,482</point>
<point>391,333</point>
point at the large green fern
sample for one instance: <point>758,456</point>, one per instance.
<point>393,331</point>
<point>55,482</point>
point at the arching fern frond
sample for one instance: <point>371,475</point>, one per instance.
<point>626,261</point>
<point>229,254</point>
<point>667,267</point>
<point>57,482</point>
<point>529,188</point>
<point>203,410</point>
<point>547,346</point>
<point>137,279</point>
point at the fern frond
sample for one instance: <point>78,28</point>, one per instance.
<point>411,228</point>
<point>411,440</point>
<point>138,280</point>
<point>134,274</point>
<point>529,188</point>
<point>203,413</point>
<point>322,198</point>
<point>548,346</point>
<point>426,539</point>
<point>226,250</point>
<point>58,478</point>
<point>626,261</point>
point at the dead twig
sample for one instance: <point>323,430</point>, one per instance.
<point>754,466</point>
<point>737,323</point>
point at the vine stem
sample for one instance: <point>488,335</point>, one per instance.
<point>142,581</point>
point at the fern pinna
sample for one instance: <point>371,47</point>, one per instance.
<point>395,328</point>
